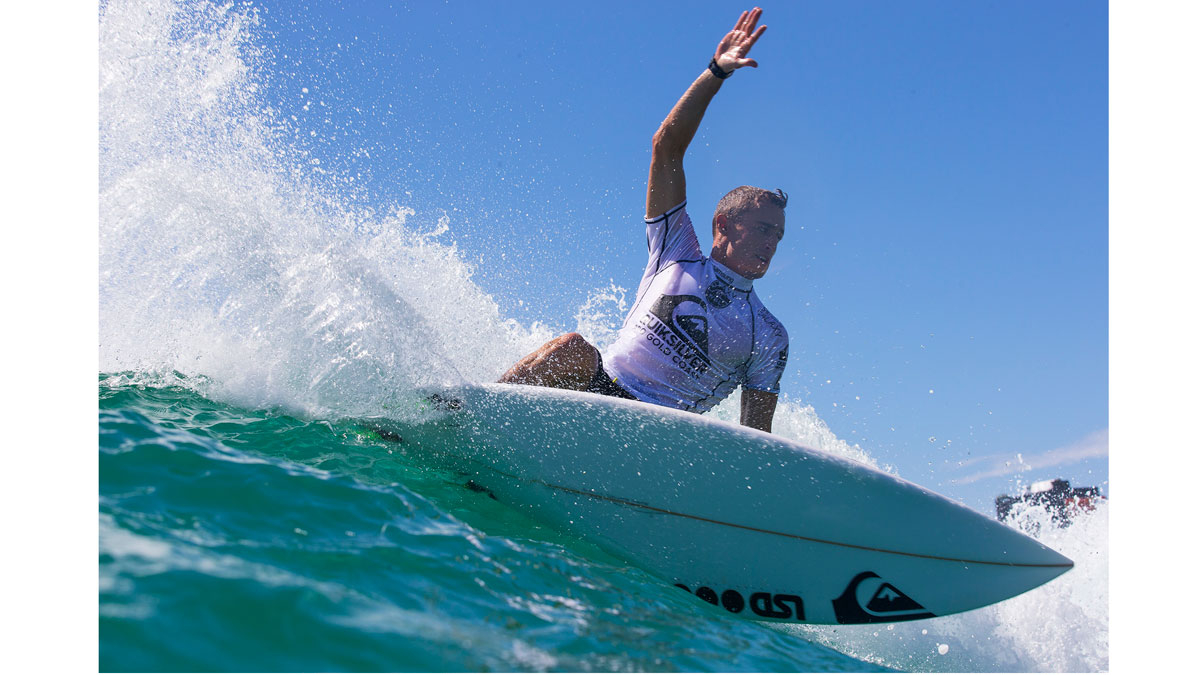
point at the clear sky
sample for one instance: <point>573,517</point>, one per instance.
<point>944,277</point>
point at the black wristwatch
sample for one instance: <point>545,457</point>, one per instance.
<point>716,70</point>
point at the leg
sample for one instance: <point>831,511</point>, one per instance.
<point>566,362</point>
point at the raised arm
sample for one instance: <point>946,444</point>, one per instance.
<point>666,187</point>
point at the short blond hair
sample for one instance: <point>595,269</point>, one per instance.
<point>745,197</point>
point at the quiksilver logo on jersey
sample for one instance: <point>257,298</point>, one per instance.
<point>677,325</point>
<point>685,315</point>
<point>870,599</point>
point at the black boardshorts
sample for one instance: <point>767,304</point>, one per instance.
<point>602,383</point>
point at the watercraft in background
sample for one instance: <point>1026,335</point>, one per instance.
<point>1056,496</point>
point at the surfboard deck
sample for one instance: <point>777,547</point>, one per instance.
<point>745,520</point>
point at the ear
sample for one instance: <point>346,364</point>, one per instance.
<point>721,222</point>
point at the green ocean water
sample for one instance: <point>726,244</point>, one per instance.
<point>249,540</point>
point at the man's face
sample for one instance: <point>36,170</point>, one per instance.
<point>748,244</point>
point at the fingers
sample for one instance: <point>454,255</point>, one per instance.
<point>754,38</point>
<point>749,19</point>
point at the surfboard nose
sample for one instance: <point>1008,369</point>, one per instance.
<point>1021,549</point>
<point>1060,559</point>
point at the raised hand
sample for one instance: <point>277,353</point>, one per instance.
<point>731,53</point>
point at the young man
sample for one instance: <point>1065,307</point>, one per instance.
<point>697,329</point>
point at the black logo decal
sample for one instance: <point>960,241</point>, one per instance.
<point>694,326</point>
<point>889,599</point>
<point>760,604</point>
<point>780,364</point>
<point>886,603</point>
<point>763,604</point>
<point>772,324</point>
<point>732,601</point>
<point>718,295</point>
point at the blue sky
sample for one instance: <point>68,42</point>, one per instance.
<point>944,277</point>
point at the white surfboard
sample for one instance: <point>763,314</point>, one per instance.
<point>746,520</point>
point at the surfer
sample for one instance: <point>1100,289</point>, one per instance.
<point>697,329</point>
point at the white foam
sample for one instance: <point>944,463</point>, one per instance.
<point>220,257</point>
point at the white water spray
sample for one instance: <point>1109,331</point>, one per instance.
<point>220,258</point>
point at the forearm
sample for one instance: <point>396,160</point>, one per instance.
<point>758,408</point>
<point>762,421</point>
<point>679,128</point>
<point>667,186</point>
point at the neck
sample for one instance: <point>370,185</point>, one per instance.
<point>735,279</point>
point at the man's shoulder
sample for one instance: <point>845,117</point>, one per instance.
<point>769,325</point>
<point>679,210</point>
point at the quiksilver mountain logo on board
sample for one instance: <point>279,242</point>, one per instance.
<point>870,599</point>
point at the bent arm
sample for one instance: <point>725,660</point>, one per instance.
<point>666,186</point>
<point>758,408</point>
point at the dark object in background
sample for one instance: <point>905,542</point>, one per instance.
<point>1056,496</point>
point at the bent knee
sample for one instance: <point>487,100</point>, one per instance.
<point>573,341</point>
<point>575,347</point>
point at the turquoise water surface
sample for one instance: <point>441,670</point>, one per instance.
<point>248,540</point>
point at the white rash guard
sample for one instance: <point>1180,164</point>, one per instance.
<point>697,330</point>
